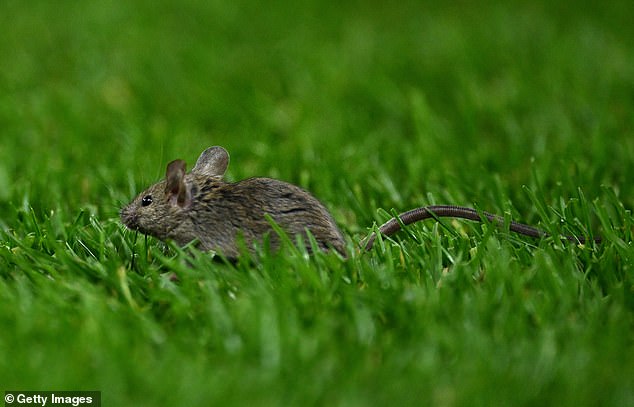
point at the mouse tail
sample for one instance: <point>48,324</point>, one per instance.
<point>449,211</point>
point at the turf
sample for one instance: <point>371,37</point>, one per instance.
<point>522,109</point>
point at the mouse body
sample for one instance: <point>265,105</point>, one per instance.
<point>199,205</point>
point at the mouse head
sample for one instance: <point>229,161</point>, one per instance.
<point>162,210</point>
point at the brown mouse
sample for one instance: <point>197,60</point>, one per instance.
<point>199,205</point>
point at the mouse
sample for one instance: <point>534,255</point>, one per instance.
<point>224,216</point>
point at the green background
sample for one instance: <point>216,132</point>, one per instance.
<point>525,109</point>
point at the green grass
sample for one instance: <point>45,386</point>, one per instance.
<point>520,109</point>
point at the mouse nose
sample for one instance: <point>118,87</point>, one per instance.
<point>129,218</point>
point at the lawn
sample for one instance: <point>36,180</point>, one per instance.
<point>524,109</point>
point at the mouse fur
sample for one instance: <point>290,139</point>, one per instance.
<point>201,206</point>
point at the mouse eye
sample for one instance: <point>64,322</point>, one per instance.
<point>146,200</point>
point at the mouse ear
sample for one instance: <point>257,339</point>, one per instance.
<point>213,162</point>
<point>175,182</point>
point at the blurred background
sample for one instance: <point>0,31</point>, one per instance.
<point>367,104</point>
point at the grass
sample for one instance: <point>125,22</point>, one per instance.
<point>519,109</point>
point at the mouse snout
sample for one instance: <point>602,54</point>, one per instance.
<point>129,218</point>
